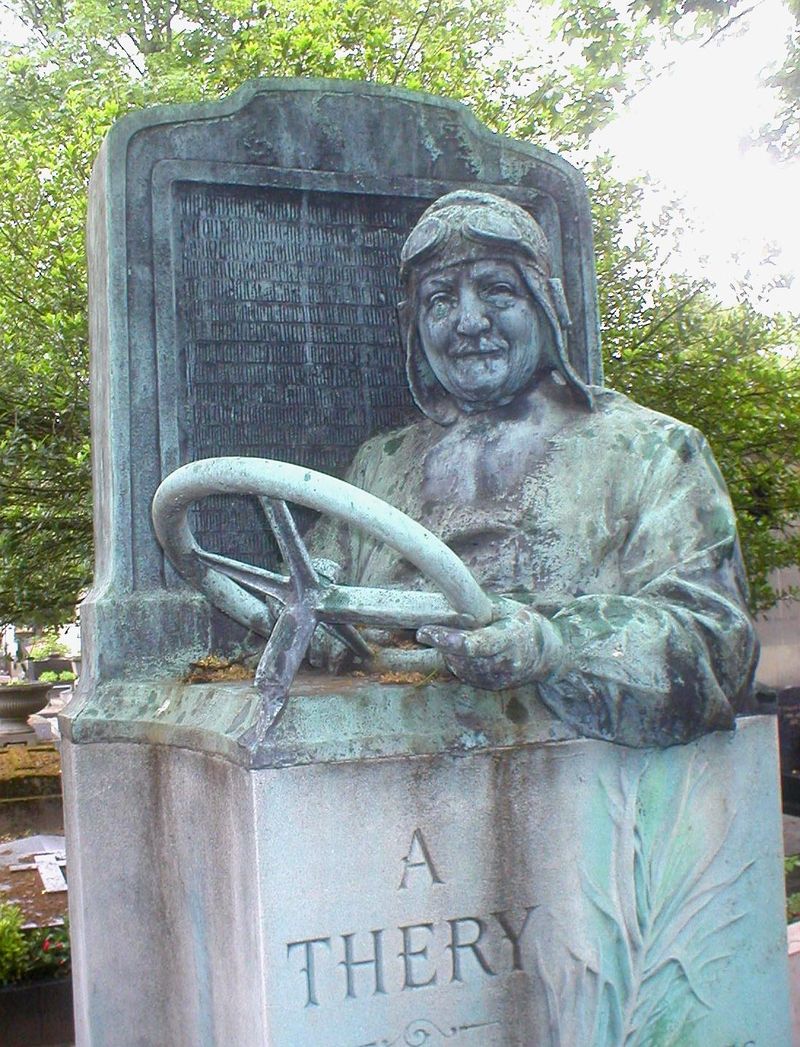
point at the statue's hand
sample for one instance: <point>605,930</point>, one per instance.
<point>518,648</point>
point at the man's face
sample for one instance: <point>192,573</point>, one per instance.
<point>479,330</point>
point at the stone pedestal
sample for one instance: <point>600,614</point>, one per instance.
<point>417,866</point>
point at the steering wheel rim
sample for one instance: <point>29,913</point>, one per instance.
<point>271,479</point>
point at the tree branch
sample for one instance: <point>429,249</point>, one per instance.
<point>731,21</point>
<point>655,327</point>
<point>412,41</point>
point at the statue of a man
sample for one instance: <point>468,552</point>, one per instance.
<point>610,523</point>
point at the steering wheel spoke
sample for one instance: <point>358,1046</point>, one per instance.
<point>351,637</point>
<point>286,647</point>
<point>389,608</point>
<point>291,545</point>
<point>256,578</point>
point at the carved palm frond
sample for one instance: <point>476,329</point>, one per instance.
<point>662,911</point>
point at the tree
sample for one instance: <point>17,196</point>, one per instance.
<point>88,62</point>
<point>734,373</point>
<point>783,134</point>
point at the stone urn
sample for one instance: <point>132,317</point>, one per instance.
<point>18,701</point>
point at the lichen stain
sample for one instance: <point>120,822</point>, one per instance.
<point>516,711</point>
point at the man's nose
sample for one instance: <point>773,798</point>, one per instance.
<point>472,314</point>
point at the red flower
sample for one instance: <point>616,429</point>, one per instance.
<point>46,945</point>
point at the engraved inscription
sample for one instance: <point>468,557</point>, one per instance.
<point>375,961</point>
<point>309,969</point>
<point>418,857</point>
<point>285,306</point>
<point>409,954</point>
<point>410,957</point>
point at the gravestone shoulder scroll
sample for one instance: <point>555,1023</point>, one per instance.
<point>530,821</point>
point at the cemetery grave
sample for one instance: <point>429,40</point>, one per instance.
<point>366,860</point>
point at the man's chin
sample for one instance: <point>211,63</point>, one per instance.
<point>481,399</point>
<point>480,386</point>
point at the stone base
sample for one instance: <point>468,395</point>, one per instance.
<point>558,894</point>
<point>16,733</point>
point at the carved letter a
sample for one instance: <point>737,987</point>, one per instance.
<point>418,857</point>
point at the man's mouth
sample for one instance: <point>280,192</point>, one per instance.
<point>483,347</point>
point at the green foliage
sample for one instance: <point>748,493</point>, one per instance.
<point>592,56</point>
<point>48,952</point>
<point>791,863</point>
<point>46,646</point>
<point>45,525</point>
<point>784,131</point>
<point>13,945</point>
<point>48,676</point>
<point>792,907</point>
<point>42,952</point>
<point>88,62</point>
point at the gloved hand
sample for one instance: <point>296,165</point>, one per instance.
<point>518,648</point>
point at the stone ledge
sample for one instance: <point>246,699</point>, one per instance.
<point>362,719</point>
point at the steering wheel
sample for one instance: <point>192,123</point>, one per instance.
<point>307,597</point>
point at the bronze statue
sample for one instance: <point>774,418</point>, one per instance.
<point>601,531</point>
<point>610,523</point>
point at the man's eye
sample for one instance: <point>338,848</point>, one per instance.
<point>499,291</point>
<point>440,303</point>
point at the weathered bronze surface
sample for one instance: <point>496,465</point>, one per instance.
<point>602,530</point>
<point>609,522</point>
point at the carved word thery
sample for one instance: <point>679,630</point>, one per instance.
<point>413,956</point>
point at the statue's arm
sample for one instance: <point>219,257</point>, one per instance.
<point>668,656</point>
<point>673,655</point>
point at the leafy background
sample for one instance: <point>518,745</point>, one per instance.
<point>669,904</point>
<point>733,372</point>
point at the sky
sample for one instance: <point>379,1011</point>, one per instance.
<point>693,128</point>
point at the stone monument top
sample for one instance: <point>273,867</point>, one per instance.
<point>253,276</point>
<point>244,275</point>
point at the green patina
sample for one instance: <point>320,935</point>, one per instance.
<point>328,720</point>
<point>392,445</point>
